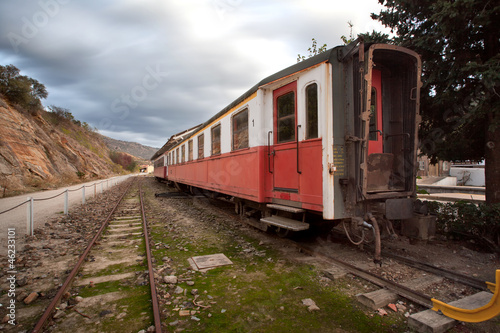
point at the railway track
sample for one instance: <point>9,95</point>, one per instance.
<point>111,288</point>
<point>412,289</point>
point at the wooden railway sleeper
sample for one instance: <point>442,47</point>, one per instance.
<point>483,313</point>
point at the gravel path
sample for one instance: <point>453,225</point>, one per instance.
<point>43,210</point>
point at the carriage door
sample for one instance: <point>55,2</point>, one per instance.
<point>286,173</point>
<point>380,164</point>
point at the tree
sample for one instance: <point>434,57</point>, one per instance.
<point>460,98</point>
<point>22,90</point>
<point>313,50</point>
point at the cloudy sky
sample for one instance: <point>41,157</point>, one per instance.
<point>142,70</point>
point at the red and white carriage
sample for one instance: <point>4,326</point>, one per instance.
<point>331,138</point>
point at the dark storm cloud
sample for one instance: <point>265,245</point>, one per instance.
<point>144,70</point>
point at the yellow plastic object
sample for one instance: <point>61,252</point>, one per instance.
<point>486,312</point>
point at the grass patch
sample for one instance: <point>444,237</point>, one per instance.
<point>261,292</point>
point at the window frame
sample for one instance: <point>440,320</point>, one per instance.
<point>201,148</point>
<point>190,150</point>
<point>315,127</point>
<point>278,94</point>
<point>213,139</point>
<point>235,133</point>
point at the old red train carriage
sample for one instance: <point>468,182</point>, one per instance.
<point>332,138</point>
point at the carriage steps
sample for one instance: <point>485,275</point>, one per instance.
<point>285,222</point>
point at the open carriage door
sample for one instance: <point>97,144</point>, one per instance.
<point>388,121</point>
<point>286,174</point>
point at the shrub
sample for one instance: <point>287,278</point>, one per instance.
<point>466,220</point>
<point>125,160</point>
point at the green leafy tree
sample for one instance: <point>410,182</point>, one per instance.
<point>22,90</point>
<point>313,50</point>
<point>460,101</point>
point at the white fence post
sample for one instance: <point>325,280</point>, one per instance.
<point>83,195</point>
<point>66,202</point>
<point>29,222</point>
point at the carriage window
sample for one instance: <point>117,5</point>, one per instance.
<point>190,150</point>
<point>216,140</point>
<point>286,117</point>
<point>312,111</point>
<point>183,150</point>
<point>240,130</point>
<point>177,156</point>
<point>373,116</point>
<point>201,146</point>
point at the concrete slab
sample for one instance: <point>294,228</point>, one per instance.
<point>380,298</point>
<point>124,229</point>
<point>104,278</point>
<point>211,261</point>
<point>430,321</point>
<point>130,234</point>
<point>334,273</point>
<point>377,299</point>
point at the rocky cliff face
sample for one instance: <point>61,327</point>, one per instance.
<point>34,153</point>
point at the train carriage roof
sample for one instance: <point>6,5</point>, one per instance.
<point>300,66</point>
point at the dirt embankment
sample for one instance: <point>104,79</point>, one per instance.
<point>35,153</point>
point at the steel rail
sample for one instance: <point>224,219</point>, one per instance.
<point>154,297</point>
<point>401,290</point>
<point>47,314</point>
<point>457,277</point>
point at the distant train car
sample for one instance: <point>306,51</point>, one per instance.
<point>160,168</point>
<point>331,138</point>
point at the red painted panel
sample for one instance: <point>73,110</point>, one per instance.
<point>160,172</point>
<point>311,178</point>
<point>285,154</point>
<point>376,146</point>
<point>236,173</point>
<point>245,174</point>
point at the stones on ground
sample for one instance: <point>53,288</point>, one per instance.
<point>31,298</point>
<point>178,290</point>
<point>171,279</point>
<point>311,305</point>
<point>401,307</point>
<point>59,314</point>
<point>104,313</point>
<point>184,313</point>
<point>78,299</point>
<point>393,307</point>
<point>382,312</point>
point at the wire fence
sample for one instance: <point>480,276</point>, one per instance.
<point>30,211</point>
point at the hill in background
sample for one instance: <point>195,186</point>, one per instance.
<point>132,148</point>
<point>47,147</point>
<point>43,150</point>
